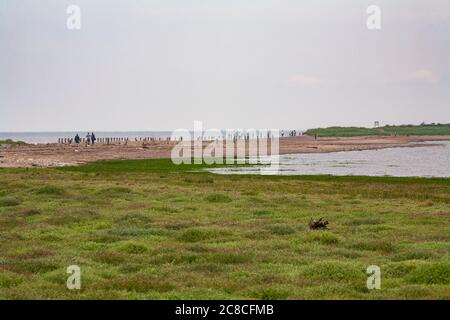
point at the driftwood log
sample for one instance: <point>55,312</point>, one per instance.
<point>318,224</point>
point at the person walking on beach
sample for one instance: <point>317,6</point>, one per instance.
<point>93,138</point>
<point>77,139</point>
<point>88,138</point>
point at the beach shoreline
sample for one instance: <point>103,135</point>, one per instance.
<point>57,155</point>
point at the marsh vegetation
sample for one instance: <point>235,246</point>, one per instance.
<point>147,229</point>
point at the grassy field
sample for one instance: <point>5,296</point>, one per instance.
<point>420,130</point>
<point>11,142</point>
<point>152,230</point>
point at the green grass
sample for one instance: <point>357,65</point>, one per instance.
<point>148,229</point>
<point>11,142</point>
<point>414,130</point>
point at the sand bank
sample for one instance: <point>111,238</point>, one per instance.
<point>51,155</point>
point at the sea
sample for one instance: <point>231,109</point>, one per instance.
<point>52,137</point>
<point>429,159</point>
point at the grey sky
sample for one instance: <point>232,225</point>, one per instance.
<point>161,64</point>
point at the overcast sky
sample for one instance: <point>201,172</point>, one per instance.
<point>161,64</point>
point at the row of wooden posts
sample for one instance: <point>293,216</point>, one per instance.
<point>113,140</point>
<point>122,140</point>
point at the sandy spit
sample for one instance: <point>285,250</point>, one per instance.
<point>54,155</point>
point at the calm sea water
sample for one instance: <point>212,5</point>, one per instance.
<point>424,161</point>
<point>52,137</point>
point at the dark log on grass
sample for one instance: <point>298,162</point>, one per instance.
<point>318,224</point>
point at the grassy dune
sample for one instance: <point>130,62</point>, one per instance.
<point>12,142</point>
<point>152,230</point>
<point>419,130</point>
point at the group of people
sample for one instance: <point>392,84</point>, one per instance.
<point>291,133</point>
<point>90,138</point>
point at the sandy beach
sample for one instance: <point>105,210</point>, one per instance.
<point>51,155</point>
